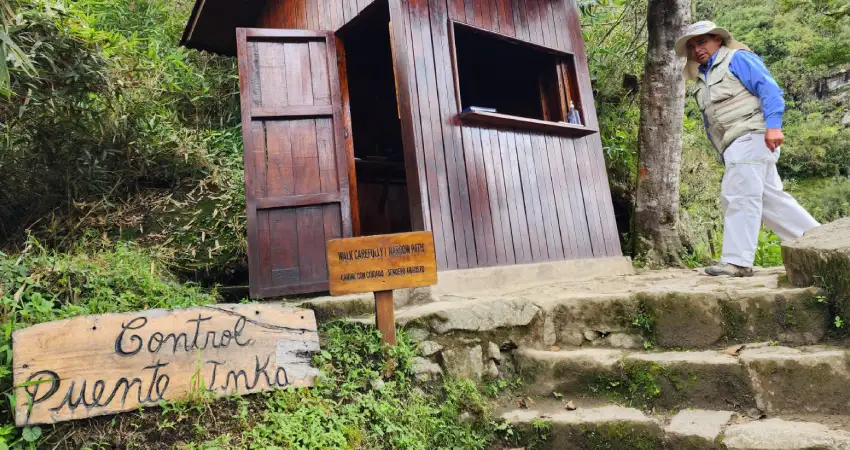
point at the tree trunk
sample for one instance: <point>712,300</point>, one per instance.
<point>656,233</point>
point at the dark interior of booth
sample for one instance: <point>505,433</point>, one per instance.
<point>375,122</point>
<point>510,77</point>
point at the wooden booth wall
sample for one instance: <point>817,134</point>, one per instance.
<point>491,196</point>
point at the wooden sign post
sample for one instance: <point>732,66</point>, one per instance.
<point>93,365</point>
<point>380,264</point>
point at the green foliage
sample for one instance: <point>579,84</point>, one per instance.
<point>358,405</point>
<point>541,429</point>
<point>800,40</point>
<point>835,287</point>
<point>119,129</point>
<point>826,199</point>
<point>637,385</point>
<point>817,144</point>
<point>769,250</point>
<point>615,35</point>
<point>644,323</point>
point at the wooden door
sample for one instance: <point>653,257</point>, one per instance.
<point>296,178</point>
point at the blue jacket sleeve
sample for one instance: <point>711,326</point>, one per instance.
<point>752,72</point>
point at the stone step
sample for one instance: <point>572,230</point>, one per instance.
<point>774,379</point>
<point>686,316</point>
<point>329,308</point>
<point>617,427</point>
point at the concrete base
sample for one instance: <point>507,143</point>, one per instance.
<point>492,280</point>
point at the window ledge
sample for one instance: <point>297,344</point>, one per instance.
<point>523,123</point>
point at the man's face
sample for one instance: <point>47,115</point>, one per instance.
<point>701,48</point>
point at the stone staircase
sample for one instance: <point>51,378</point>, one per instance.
<point>671,359</point>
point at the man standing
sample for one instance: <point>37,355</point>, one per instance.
<point>742,108</point>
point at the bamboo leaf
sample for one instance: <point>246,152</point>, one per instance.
<point>22,57</point>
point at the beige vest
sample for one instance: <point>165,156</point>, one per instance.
<point>732,111</point>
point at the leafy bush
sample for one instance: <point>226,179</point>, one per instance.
<point>119,129</point>
<point>826,199</point>
<point>817,144</point>
<point>356,405</point>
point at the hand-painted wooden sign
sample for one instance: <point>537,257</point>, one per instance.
<point>381,263</point>
<point>95,365</point>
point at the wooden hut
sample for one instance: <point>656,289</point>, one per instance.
<point>365,117</point>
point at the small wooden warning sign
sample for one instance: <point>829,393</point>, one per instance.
<point>381,263</point>
<point>94,365</point>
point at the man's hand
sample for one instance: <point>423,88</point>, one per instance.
<point>773,138</point>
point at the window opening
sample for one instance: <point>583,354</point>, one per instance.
<point>497,74</point>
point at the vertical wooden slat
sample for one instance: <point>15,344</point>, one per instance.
<point>319,79</point>
<point>484,198</point>
<point>531,196</point>
<point>574,182</point>
<point>562,200</point>
<point>521,19</point>
<point>561,19</point>
<point>348,138</point>
<point>312,14</point>
<point>305,159</point>
<point>491,15</point>
<point>339,6</point>
<point>501,196</point>
<point>279,174</point>
<point>429,58</point>
<point>456,171</point>
<point>475,200</point>
<point>516,203</point>
<point>609,222</point>
<point>591,204</point>
<point>284,15</point>
<point>312,260</point>
<point>457,10</point>
<point>344,159</point>
<point>347,10</point>
<point>547,198</point>
<point>493,196</point>
<point>506,17</point>
<point>323,15</point>
<point>432,144</point>
<point>333,220</point>
<point>283,265</point>
<point>328,179</point>
<point>473,12</point>
<point>534,21</point>
<point>588,107</point>
<point>250,130</point>
<point>270,74</point>
<point>550,39</point>
<point>414,158</point>
<point>297,75</point>
<point>264,249</point>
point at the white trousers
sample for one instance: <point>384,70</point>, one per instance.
<point>751,194</point>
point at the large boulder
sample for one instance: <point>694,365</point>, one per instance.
<point>821,257</point>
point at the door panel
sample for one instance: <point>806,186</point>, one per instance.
<point>296,177</point>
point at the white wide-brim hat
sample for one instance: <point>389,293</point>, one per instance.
<point>698,29</point>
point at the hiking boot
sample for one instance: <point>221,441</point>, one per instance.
<point>730,270</point>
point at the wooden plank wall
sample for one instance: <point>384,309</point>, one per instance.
<point>491,196</point>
